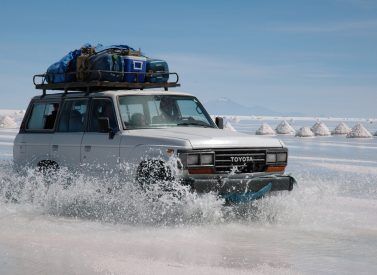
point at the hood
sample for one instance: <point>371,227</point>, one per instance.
<point>201,138</point>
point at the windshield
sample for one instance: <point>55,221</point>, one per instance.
<point>155,111</point>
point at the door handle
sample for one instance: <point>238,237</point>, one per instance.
<point>55,147</point>
<point>87,148</point>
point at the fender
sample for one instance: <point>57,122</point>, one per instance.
<point>130,158</point>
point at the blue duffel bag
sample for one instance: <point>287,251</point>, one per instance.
<point>155,71</point>
<point>63,70</point>
<point>106,66</point>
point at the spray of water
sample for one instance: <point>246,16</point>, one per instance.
<point>109,198</point>
<point>318,201</point>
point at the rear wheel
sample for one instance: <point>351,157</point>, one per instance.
<point>48,170</point>
<point>47,166</point>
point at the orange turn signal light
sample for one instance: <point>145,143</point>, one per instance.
<point>279,168</point>
<point>201,170</point>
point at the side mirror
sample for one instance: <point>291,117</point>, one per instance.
<point>104,126</point>
<point>219,122</point>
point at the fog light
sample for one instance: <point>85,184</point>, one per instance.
<point>271,158</point>
<point>206,159</point>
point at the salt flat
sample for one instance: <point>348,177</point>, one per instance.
<point>327,224</point>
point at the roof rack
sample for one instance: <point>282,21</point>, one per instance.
<point>42,82</point>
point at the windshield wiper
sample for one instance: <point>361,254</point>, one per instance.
<point>193,124</point>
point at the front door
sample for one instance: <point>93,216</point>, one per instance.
<point>66,142</point>
<point>99,152</point>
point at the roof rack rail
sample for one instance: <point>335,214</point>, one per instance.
<point>42,82</point>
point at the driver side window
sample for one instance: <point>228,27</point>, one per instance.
<point>101,108</point>
<point>190,109</point>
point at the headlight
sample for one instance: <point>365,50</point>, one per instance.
<point>198,159</point>
<point>271,158</point>
<point>281,157</point>
<point>207,159</point>
<point>192,159</point>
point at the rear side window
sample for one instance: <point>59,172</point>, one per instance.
<point>73,116</point>
<point>43,116</point>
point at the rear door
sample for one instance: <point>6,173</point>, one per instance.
<point>65,145</point>
<point>39,130</point>
<point>99,152</point>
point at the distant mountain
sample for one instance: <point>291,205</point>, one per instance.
<point>226,106</point>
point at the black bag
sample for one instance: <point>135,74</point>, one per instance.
<point>106,66</point>
<point>157,71</point>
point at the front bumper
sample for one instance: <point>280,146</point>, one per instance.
<point>239,183</point>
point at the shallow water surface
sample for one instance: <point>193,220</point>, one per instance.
<point>327,224</point>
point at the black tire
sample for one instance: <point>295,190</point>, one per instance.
<point>153,171</point>
<point>47,167</point>
<point>49,170</point>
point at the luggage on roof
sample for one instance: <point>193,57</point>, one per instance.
<point>61,71</point>
<point>106,67</point>
<point>134,68</point>
<point>125,49</point>
<point>98,67</point>
<point>158,71</point>
<point>124,62</point>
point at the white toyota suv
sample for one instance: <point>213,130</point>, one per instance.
<point>148,131</point>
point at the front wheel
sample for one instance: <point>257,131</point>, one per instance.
<point>157,180</point>
<point>153,171</point>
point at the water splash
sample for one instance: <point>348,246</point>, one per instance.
<point>322,200</point>
<point>108,199</point>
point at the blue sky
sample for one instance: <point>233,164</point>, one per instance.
<point>314,57</point>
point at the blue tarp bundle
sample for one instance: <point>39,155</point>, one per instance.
<point>62,71</point>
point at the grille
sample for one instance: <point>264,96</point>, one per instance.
<point>240,160</point>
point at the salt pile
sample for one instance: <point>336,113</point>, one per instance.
<point>285,128</point>
<point>341,129</point>
<point>7,122</point>
<point>304,132</point>
<point>359,131</point>
<point>229,127</point>
<point>320,129</point>
<point>265,129</point>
